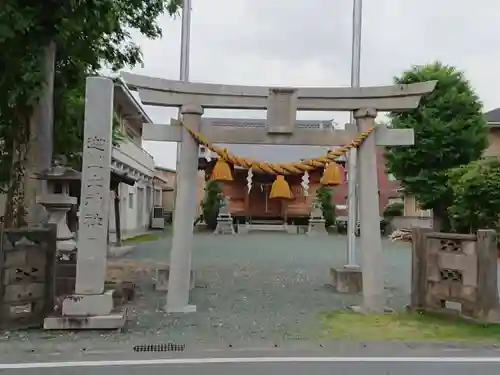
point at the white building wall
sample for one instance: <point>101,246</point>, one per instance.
<point>157,197</point>
<point>136,202</point>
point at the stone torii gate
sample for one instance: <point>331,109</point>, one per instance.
<point>281,105</point>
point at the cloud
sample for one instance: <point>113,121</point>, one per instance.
<point>308,43</point>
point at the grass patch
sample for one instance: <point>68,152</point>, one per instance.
<point>406,327</point>
<point>148,237</point>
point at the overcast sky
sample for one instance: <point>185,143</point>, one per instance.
<point>308,43</point>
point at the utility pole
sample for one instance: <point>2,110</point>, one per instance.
<point>352,203</point>
<point>184,68</point>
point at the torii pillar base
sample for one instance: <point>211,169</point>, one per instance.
<point>348,280</point>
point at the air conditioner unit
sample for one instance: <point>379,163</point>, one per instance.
<point>158,218</point>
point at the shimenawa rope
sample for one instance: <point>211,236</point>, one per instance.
<point>280,168</point>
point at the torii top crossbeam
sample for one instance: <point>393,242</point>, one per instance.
<point>169,93</point>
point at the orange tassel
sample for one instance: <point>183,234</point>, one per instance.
<point>280,189</point>
<point>333,175</point>
<point>222,171</point>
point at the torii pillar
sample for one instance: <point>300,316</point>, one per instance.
<point>369,216</point>
<point>185,205</point>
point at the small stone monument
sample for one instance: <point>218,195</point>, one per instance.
<point>57,201</point>
<point>316,221</point>
<point>224,219</point>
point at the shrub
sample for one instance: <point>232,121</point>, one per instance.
<point>393,210</point>
<point>324,197</point>
<point>211,203</point>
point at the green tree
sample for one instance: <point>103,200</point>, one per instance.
<point>450,131</point>
<point>476,196</point>
<point>393,209</point>
<point>211,203</point>
<point>324,197</point>
<point>71,40</point>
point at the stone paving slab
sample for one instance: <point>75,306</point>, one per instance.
<point>253,290</point>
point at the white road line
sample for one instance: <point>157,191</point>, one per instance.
<point>191,361</point>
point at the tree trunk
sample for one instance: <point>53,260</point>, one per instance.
<point>39,151</point>
<point>436,223</point>
<point>14,209</point>
<point>440,220</point>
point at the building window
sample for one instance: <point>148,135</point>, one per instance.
<point>131,201</point>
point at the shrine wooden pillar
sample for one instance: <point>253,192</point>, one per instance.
<point>284,209</point>
<point>247,207</point>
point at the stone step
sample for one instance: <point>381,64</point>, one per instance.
<point>267,228</point>
<point>268,222</point>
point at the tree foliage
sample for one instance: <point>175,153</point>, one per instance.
<point>324,197</point>
<point>393,209</point>
<point>476,196</point>
<point>450,131</point>
<point>211,203</point>
<point>89,35</point>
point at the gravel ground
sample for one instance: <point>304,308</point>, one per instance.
<point>252,289</point>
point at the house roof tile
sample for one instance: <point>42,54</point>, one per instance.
<point>493,116</point>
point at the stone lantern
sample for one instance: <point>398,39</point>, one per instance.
<point>316,221</point>
<point>58,202</point>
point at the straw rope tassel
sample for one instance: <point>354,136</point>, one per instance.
<point>280,188</point>
<point>281,168</point>
<point>222,170</point>
<point>332,175</point>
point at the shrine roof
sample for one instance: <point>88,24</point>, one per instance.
<point>276,153</point>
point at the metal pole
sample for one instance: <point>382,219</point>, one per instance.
<point>184,68</point>
<point>185,40</point>
<point>357,15</point>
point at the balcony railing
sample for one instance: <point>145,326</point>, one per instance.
<point>131,154</point>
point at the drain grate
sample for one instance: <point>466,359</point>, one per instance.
<point>170,347</point>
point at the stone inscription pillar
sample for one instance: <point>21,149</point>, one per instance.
<point>95,196</point>
<point>369,216</point>
<point>185,211</point>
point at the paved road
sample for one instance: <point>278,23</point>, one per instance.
<point>274,366</point>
